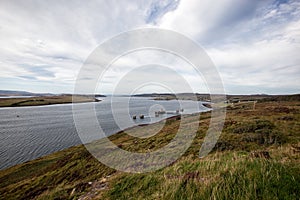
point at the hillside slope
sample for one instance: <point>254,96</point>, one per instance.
<point>256,157</point>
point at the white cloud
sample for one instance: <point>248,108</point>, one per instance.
<point>204,20</point>
<point>253,43</point>
<point>155,64</point>
<point>58,36</point>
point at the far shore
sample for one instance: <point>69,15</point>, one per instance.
<point>46,100</point>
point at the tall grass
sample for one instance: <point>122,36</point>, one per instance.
<point>223,176</point>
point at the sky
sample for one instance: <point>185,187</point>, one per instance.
<point>254,44</point>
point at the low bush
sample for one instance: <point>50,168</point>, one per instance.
<point>250,127</point>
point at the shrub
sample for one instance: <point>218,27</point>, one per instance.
<point>259,131</point>
<point>250,127</point>
<point>267,136</point>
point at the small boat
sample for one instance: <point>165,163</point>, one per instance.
<point>134,117</point>
<point>142,116</point>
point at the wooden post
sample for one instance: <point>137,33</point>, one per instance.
<point>254,102</point>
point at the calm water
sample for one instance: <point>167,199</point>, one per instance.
<point>27,133</point>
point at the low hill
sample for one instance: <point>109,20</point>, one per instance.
<point>21,93</point>
<point>229,97</point>
<point>45,100</point>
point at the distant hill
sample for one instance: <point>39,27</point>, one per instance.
<point>230,97</point>
<point>5,93</point>
<point>293,97</point>
<point>21,93</point>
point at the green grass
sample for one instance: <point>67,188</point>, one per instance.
<point>222,176</point>
<point>230,171</point>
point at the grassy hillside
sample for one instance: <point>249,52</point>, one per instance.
<point>256,157</point>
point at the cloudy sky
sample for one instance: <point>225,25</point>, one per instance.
<point>254,44</point>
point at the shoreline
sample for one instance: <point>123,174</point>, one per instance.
<point>45,101</point>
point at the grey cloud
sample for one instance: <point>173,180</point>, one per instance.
<point>28,77</point>
<point>38,71</point>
